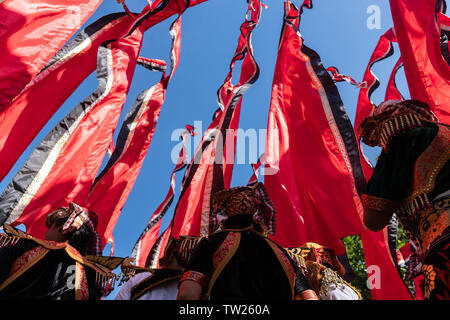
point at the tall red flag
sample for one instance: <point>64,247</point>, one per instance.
<point>312,169</point>
<point>63,166</point>
<point>149,235</point>
<point>211,167</point>
<point>27,114</point>
<point>386,282</point>
<point>31,32</point>
<point>419,25</point>
<point>114,183</point>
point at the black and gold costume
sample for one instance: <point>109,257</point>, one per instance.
<point>412,179</point>
<point>32,268</point>
<point>240,263</point>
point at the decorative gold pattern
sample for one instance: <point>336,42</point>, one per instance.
<point>81,284</point>
<point>198,277</point>
<point>423,220</point>
<point>222,256</point>
<point>379,204</point>
<point>328,277</point>
<point>430,277</point>
<point>397,124</point>
<point>24,263</point>
<point>286,264</point>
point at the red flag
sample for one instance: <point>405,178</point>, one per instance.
<point>211,167</point>
<point>148,237</point>
<point>365,106</point>
<point>384,280</point>
<point>21,120</point>
<point>63,166</point>
<point>157,251</point>
<point>387,283</point>
<point>418,26</point>
<point>392,92</point>
<point>312,164</point>
<point>114,184</point>
<point>31,32</point>
<point>76,146</point>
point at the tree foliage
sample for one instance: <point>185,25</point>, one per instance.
<point>357,261</point>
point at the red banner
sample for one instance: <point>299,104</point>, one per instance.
<point>312,169</point>
<point>211,168</point>
<point>21,120</point>
<point>114,184</point>
<point>148,237</point>
<point>31,32</point>
<point>387,283</point>
<point>77,145</point>
<point>418,26</point>
<point>365,106</point>
<point>63,166</point>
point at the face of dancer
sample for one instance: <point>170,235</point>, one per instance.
<point>54,233</point>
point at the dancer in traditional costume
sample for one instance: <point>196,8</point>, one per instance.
<point>239,261</point>
<point>160,283</point>
<point>65,266</point>
<point>412,179</point>
<point>324,272</point>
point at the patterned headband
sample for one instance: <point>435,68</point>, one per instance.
<point>77,217</point>
<point>245,200</point>
<point>393,117</point>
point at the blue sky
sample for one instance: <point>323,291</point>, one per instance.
<point>337,30</point>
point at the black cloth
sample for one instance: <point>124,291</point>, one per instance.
<point>393,172</point>
<point>52,278</point>
<point>254,271</point>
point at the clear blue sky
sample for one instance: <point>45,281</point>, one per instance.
<point>337,30</point>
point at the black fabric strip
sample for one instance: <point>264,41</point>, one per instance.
<point>444,45</point>
<point>395,82</point>
<point>153,254</point>
<point>377,82</point>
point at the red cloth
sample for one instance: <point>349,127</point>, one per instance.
<point>115,182</point>
<point>22,120</point>
<point>71,154</point>
<point>364,107</point>
<point>27,114</point>
<point>384,277</point>
<point>31,32</point>
<point>427,72</point>
<point>312,159</point>
<point>211,168</point>
<point>70,167</point>
<point>148,237</point>
<point>392,92</point>
<point>389,285</point>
